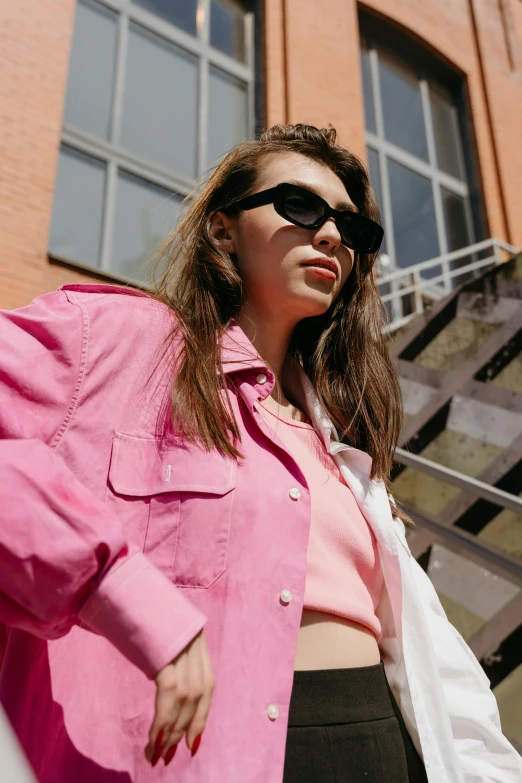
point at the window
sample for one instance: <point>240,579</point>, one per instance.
<point>158,91</point>
<point>416,158</point>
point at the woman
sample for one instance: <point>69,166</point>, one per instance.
<point>216,456</point>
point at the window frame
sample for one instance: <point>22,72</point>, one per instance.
<point>387,150</point>
<point>375,34</point>
<point>114,156</point>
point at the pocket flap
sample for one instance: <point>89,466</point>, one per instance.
<point>143,466</point>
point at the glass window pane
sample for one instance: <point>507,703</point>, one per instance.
<point>457,232</point>
<point>383,261</point>
<point>414,226</point>
<point>160,102</point>
<point>145,213</point>
<point>91,69</point>
<point>78,208</point>
<point>182,13</point>
<point>402,106</point>
<point>375,179</point>
<point>375,176</point>
<point>228,113</point>
<point>369,110</point>
<point>447,134</point>
<point>227,28</point>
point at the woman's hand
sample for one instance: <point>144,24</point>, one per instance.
<point>184,691</point>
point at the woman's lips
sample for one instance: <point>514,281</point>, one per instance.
<point>321,271</point>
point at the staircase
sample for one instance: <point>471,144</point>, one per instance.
<point>458,468</point>
<point>409,291</point>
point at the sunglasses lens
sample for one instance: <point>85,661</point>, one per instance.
<point>362,236</point>
<point>305,209</point>
<point>302,207</point>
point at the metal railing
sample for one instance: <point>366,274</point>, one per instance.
<point>509,565</point>
<point>406,291</point>
<point>472,485</point>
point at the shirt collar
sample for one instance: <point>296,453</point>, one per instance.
<point>238,354</point>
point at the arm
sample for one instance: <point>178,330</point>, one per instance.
<point>64,559</point>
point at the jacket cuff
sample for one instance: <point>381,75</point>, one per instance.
<point>140,611</point>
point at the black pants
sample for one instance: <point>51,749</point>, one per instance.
<point>345,726</point>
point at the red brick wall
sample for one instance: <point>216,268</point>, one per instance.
<point>323,79</point>
<point>321,51</point>
<point>35,38</point>
<point>501,50</point>
<point>312,75</point>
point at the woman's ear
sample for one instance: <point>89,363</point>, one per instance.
<point>221,229</point>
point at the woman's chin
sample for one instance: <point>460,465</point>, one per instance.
<point>310,307</point>
<point>317,299</point>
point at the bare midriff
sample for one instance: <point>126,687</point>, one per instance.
<point>328,641</point>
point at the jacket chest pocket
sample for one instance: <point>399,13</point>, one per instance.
<point>176,502</point>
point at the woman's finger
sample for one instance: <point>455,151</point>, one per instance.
<point>167,704</point>
<point>184,692</point>
<point>189,694</point>
<point>199,720</point>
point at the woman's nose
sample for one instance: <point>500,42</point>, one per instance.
<point>328,232</point>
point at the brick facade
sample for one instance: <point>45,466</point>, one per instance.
<point>312,75</point>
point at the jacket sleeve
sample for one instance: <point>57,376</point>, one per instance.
<point>64,558</point>
<point>484,753</point>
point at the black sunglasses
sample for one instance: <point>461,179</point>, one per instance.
<point>308,210</point>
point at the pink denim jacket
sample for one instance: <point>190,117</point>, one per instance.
<point>117,537</point>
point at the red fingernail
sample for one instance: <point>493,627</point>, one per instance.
<point>159,740</point>
<point>170,754</point>
<point>195,746</point>
<point>156,757</point>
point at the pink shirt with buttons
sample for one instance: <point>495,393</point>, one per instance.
<point>117,537</point>
<point>343,574</point>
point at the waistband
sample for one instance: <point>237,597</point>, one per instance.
<point>322,697</point>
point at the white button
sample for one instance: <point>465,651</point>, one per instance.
<point>273,711</point>
<point>286,596</point>
<point>261,378</point>
<point>294,493</point>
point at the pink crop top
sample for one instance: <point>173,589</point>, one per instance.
<point>344,575</point>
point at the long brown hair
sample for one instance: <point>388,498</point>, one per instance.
<point>343,351</point>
